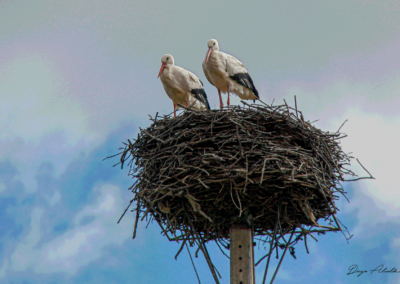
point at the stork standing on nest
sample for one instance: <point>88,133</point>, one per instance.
<point>182,86</point>
<point>227,74</point>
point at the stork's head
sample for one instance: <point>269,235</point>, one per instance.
<point>166,62</point>
<point>212,45</point>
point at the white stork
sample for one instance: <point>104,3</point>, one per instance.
<point>182,86</point>
<point>227,74</point>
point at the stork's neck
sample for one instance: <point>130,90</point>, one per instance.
<point>215,55</point>
<point>167,71</point>
<point>168,68</point>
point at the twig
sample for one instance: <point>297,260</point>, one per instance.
<point>191,259</point>
<point>126,210</point>
<point>283,255</point>
<point>370,176</point>
<point>341,126</point>
<point>136,218</point>
<point>270,251</point>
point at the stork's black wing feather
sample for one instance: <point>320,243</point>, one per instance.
<point>244,79</point>
<point>200,94</point>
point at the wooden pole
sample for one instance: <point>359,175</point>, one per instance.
<point>242,255</point>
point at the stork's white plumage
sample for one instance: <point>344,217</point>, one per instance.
<point>182,86</point>
<point>227,74</point>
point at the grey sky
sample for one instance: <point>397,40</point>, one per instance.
<point>285,34</point>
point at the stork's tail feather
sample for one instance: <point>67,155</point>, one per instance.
<point>201,96</point>
<point>245,80</point>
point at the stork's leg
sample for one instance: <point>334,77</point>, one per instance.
<point>187,104</point>
<point>174,110</point>
<point>221,104</point>
<point>228,102</point>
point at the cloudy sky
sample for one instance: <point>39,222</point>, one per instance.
<point>77,78</point>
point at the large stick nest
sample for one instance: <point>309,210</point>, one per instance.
<point>201,172</point>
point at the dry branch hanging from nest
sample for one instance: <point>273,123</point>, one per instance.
<point>201,172</point>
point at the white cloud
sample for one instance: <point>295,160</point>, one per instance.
<point>372,128</point>
<point>54,199</point>
<point>39,120</point>
<point>396,242</point>
<point>77,247</point>
<point>2,187</point>
<point>283,274</point>
<point>373,138</point>
<point>25,254</point>
<point>34,103</point>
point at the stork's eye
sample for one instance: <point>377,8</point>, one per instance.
<point>214,43</point>
<point>167,58</point>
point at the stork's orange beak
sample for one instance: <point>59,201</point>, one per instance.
<point>161,69</point>
<point>210,50</point>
